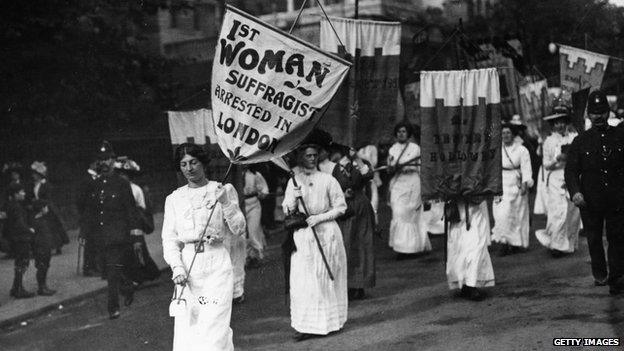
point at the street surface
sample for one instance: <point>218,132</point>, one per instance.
<point>536,298</point>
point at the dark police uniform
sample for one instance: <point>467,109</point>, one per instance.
<point>595,168</point>
<point>108,216</point>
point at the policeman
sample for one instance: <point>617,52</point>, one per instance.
<point>594,175</point>
<point>109,216</point>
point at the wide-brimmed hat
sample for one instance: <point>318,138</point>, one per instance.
<point>560,111</point>
<point>39,168</point>
<point>125,164</point>
<point>12,167</point>
<point>317,137</point>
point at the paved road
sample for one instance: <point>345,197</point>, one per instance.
<point>536,299</point>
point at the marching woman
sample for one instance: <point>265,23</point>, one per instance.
<point>209,284</point>
<point>357,227</point>
<point>255,190</point>
<point>511,210</point>
<point>563,217</point>
<point>318,305</point>
<point>406,233</point>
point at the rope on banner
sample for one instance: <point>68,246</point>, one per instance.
<point>448,40</point>
<point>324,13</point>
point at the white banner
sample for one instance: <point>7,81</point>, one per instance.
<point>268,88</point>
<point>191,127</point>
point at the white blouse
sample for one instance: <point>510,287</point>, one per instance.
<point>516,158</point>
<point>322,195</point>
<point>410,155</point>
<point>186,216</point>
<point>552,149</point>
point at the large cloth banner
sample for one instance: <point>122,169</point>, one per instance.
<point>581,69</point>
<point>268,88</point>
<point>367,110</point>
<point>460,139</point>
<point>191,127</point>
<point>534,104</point>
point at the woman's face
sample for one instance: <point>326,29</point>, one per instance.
<point>507,136</point>
<point>192,169</point>
<point>402,134</point>
<point>310,158</point>
<point>559,126</point>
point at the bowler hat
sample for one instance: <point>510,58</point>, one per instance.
<point>597,103</point>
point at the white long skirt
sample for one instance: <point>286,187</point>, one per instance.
<point>318,305</point>
<point>256,241</point>
<point>468,260</point>
<point>511,214</point>
<point>406,232</point>
<point>208,294</point>
<point>564,219</point>
<point>238,255</point>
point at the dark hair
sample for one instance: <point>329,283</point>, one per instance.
<point>514,131</point>
<point>408,127</point>
<point>192,150</point>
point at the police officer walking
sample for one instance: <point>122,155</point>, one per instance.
<point>594,175</point>
<point>109,216</point>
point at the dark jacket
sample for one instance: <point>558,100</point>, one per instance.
<point>44,235</point>
<point>108,211</point>
<point>595,168</point>
<point>17,226</point>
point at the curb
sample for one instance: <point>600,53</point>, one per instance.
<point>54,306</point>
<point>269,251</point>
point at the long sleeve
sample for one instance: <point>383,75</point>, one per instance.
<point>337,203</point>
<point>171,245</point>
<point>261,184</point>
<point>290,202</point>
<point>232,213</point>
<point>572,168</point>
<point>525,167</point>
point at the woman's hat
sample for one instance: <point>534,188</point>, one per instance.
<point>12,167</point>
<point>317,137</point>
<point>39,168</point>
<point>515,124</point>
<point>124,164</point>
<point>560,111</point>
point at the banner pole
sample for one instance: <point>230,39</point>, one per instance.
<point>298,15</point>
<point>318,242</point>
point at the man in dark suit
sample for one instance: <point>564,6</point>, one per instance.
<point>109,217</point>
<point>21,234</point>
<point>594,176</point>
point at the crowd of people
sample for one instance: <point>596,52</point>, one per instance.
<point>331,200</point>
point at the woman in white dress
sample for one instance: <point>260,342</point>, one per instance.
<point>318,305</point>
<point>209,284</point>
<point>255,190</point>
<point>406,233</point>
<point>563,218</point>
<point>511,210</point>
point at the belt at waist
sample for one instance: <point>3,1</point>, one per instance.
<point>511,169</point>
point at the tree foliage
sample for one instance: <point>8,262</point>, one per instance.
<point>77,65</point>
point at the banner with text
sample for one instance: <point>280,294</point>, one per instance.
<point>581,69</point>
<point>268,88</point>
<point>366,109</point>
<point>460,139</point>
<point>534,104</point>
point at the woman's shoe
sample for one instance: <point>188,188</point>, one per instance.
<point>302,336</point>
